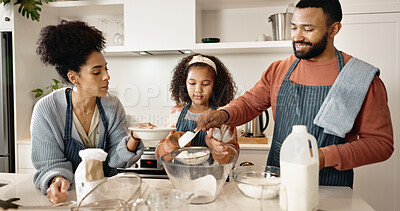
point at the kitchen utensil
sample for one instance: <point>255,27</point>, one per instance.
<point>256,127</point>
<point>8,204</point>
<point>257,182</point>
<point>183,177</point>
<point>191,155</point>
<point>281,24</point>
<point>186,138</point>
<point>116,193</point>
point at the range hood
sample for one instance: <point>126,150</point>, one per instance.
<point>164,52</point>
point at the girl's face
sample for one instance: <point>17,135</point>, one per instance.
<point>93,77</point>
<point>200,83</point>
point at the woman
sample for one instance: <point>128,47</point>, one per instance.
<point>87,116</point>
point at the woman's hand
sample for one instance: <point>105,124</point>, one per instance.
<point>58,190</point>
<point>133,142</point>
<point>218,148</point>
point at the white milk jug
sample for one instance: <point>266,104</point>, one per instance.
<point>299,171</point>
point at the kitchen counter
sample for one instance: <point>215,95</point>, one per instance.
<point>331,198</point>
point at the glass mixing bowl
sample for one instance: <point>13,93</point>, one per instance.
<point>205,180</point>
<point>257,182</point>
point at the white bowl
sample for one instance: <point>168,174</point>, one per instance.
<point>154,134</point>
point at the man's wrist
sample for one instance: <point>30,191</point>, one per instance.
<point>226,120</point>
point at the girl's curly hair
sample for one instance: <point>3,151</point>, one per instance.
<point>224,87</point>
<point>67,45</point>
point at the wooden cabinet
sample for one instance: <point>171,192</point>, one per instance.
<point>6,18</point>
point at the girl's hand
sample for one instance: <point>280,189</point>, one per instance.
<point>174,137</point>
<point>58,190</point>
<point>218,148</point>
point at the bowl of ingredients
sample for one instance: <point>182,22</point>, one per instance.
<point>205,180</point>
<point>256,182</point>
<point>150,137</point>
<point>191,155</point>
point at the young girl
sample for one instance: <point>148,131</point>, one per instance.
<point>200,83</point>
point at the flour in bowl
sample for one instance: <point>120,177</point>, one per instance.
<point>253,187</point>
<point>191,155</point>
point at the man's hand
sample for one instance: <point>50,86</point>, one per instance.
<point>321,158</point>
<point>210,119</point>
<point>58,190</point>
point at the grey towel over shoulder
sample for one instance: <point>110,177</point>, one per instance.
<point>345,98</point>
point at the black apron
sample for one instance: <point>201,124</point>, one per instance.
<point>72,146</point>
<point>298,105</point>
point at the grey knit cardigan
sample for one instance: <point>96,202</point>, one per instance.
<point>47,131</point>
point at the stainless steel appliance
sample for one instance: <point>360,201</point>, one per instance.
<point>7,143</point>
<point>256,127</point>
<point>148,166</point>
<point>281,26</point>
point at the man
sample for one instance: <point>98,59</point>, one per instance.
<point>340,99</point>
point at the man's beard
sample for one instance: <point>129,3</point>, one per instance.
<point>315,49</point>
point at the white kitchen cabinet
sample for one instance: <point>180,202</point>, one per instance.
<point>24,162</point>
<point>165,25</point>
<point>159,25</point>
<point>6,17</point>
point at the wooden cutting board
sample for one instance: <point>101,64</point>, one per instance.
<point>253,140</point>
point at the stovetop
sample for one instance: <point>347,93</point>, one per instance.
<point>149,149</point>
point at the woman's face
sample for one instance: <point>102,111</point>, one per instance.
<point>93,77</point>
<point>199,83</point>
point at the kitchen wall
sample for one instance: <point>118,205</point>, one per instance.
<point>142,83</point>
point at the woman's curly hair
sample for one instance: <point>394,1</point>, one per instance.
<point>224,87</point>
<point>67,45</point>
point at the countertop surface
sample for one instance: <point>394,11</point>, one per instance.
<point>331,198</point>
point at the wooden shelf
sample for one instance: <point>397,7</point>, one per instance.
<point>252,140</point>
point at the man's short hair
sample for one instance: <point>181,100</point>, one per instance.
<point>331,8</point>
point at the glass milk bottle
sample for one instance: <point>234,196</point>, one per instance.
<point>299,171</point>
